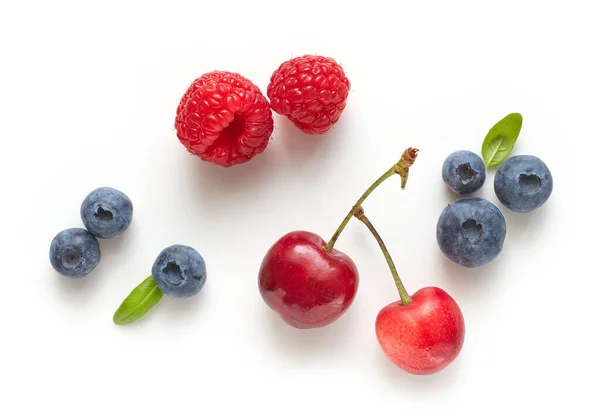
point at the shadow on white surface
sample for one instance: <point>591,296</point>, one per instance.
<point>214,182</point>
<point>403,381</point>
<point>304,149</point>
<point>521,225</point>
<point>465,282</point>
<point>309,343</point>
<point>185,310</point>
<point>77,291</point>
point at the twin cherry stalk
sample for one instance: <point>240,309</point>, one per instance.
<point>310,284</point>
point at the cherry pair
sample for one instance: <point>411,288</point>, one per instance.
<point>310,284</point>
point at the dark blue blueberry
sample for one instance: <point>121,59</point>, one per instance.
<point>74,252</point>
<point>464,172</point>
<point>523,183</point>
<point>106,212</point>
<point>179,271</point>
<point>471,231</point>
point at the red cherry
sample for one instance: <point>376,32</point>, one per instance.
<point>306,285</point>
<point>424,336</point>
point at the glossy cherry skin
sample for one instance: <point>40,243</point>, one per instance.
<point>307,286</point>
<point>425,336</point>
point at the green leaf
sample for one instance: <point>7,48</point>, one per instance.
<point>138,302</point>
<point>501,138</point>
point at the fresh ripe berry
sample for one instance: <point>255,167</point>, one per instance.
<point>74,253</point>
<point>523,183</point>
<point>106,212</point>
<point>307,286</point>
<point>179,271</point>
<point>424,336</point>
<point>464,172</point>
<point>223,118</point>
<point>311,91</point>
<point>471,231</point>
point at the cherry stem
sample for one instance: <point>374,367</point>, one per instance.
<point>400,168</point>
<point>404,297</point>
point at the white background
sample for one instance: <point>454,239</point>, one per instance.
<point>88,93</point>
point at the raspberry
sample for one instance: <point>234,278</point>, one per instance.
<point>311,91</point>
<point>224,118</point>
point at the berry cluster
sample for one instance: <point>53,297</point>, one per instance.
<point>471,230</point>
<point>178,271</point>
<point>224,118</point>
<point>106,213</point>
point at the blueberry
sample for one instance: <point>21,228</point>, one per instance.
<point>471,231</point>
<point>106,212</point>
<point>179,271</point>
<point>523,183</point>
<point>464,172</point>
<point>74,252</point>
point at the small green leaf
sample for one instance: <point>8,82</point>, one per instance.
<point>501,138</point>
<point>138,302</point>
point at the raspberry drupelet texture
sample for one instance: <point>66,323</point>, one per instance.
<point>311,91</point>
<point>224,118</point>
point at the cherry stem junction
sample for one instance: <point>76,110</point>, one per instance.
<point>404,297</point>
<point>400,168</point>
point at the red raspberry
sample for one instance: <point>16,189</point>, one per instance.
<point>311,91</point>
<point>223,118</point>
